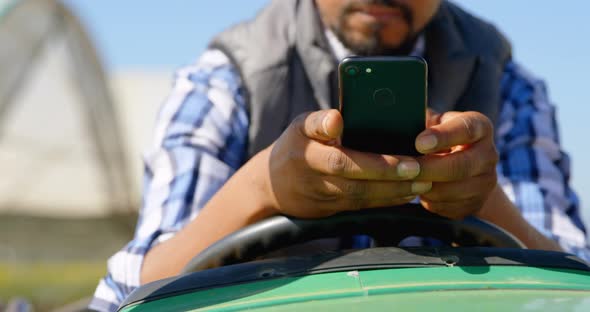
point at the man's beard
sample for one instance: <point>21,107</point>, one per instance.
<point>373,45</point>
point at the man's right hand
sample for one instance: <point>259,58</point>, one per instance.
<point>305,174</point>
<point>310,175</point>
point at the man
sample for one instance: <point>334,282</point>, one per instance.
<point>250,132</point>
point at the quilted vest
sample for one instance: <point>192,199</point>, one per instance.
<point>287,67</point>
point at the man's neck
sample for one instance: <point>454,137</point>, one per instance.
<point>340,51</point>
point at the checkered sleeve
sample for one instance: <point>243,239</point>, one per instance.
<point>533,169</point>
<point>200,141</point>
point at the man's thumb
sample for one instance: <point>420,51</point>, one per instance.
<point>323,125</point>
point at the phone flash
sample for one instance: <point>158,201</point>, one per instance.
<point>368,70</point>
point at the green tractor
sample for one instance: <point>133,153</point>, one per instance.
<point>491,271</point>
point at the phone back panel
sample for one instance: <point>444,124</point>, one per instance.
<point>383,103</point>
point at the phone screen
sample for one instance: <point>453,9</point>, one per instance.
<point>383,103</point>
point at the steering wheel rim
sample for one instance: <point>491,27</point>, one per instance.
<point>407,220</point>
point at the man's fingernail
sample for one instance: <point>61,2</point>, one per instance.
<point>408,169</point>
<point>426,143</point>
<point>325,124</point>
<point>421,187</point>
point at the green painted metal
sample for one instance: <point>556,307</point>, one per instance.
<point>455,301</point>
<point>457,288</point>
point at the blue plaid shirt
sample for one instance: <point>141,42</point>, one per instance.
<point>200,141</point>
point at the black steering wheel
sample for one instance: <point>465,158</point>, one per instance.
<point>387,226</point>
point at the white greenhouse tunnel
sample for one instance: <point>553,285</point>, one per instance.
<point>70,138</point>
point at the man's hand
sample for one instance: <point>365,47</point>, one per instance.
<point>310,175</point>
<point>461,162</point>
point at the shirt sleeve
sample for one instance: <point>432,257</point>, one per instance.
<point>533,169</point>
<point>200,141</point>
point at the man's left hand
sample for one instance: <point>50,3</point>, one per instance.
<point>460,159</point>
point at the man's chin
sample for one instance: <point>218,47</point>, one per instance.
<point>376,41</point>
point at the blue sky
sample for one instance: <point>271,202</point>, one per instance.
<point>551,38</point>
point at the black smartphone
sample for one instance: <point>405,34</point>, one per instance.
<point>383,103</point>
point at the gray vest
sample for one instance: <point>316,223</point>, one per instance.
<point>287,67</point>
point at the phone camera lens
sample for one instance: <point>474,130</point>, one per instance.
<point>352,70</point>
